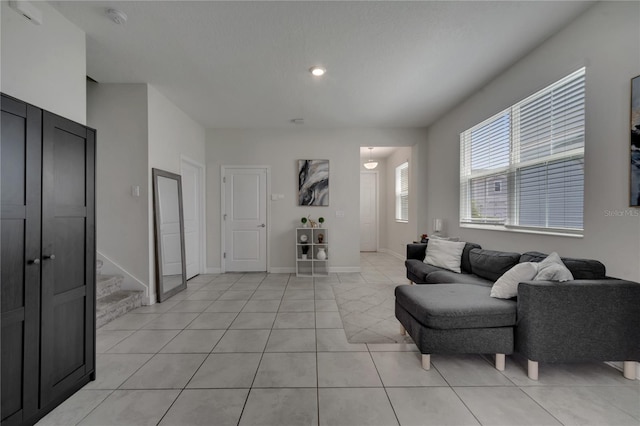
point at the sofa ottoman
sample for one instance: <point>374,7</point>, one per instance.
<point>456,319</point>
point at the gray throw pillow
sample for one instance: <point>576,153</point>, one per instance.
<point>553,269</point>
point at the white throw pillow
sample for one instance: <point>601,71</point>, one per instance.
<point>506,286</point>
<point>445,254</point>
<point>552,269</point>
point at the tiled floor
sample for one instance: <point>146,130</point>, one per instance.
<point>256,349</point>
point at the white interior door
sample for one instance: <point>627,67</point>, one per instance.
<point>192,206</point>
<point>245,219</point>
<point>368,211</point>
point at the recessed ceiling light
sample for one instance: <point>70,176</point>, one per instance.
<point>317,71</point>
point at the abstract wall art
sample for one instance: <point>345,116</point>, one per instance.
<point>313,182</point>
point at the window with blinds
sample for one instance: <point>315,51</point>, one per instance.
<point>402,192</point>
<point>524,167</point>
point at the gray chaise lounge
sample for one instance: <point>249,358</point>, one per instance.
<point>591,318</point>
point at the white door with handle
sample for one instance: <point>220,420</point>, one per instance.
<point>244,218</point>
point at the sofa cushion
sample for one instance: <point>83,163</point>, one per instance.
<point>581,269</point>
<point>465,264</point>
<point>444,277</point>
<point>455,306</point>
<point>445,254</point>
<point>506,286</point>
<point>491,264</point>
<point>419,269</point>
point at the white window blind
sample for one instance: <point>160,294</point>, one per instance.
<point>402,192</point>
<point>524,167</point>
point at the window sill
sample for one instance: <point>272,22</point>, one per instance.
<point>503,228</point>
<point>401,221</point>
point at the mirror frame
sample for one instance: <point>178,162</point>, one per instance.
<point>161,294</point>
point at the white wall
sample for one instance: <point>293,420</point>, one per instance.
<point>172,134</point>
<point>399,234</point>
<point>605,39</point>
<point>281,149</point>
<point>118,112</point>
<point>44,65</point>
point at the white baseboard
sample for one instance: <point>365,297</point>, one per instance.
<point>282,270</point>
<point>392,253</point>
<point>129,282</point>
<point>332,270</point>
<point>292,270</point>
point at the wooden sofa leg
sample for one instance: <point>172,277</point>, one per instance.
<point>403,331</point>
<point>629,370</point>
<point>426,361</point>
<point>532,369</point>
<point>500,362</point>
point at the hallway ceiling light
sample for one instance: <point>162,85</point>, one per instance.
<point>370,164</point>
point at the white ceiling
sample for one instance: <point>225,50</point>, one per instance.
<point>244,64</point>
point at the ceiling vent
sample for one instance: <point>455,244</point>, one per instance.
<point>117,16</point>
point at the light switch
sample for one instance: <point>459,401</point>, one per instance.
<point>135,191</point>
<point>339,213</point>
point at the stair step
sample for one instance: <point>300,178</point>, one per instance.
<point>115,305</point>
<point>107,284</point>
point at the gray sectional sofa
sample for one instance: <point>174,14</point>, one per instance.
<point>590,318</point>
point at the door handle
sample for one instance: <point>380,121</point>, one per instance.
<point>51,256</point>
<point>262,226</point>
<point>33,262</point>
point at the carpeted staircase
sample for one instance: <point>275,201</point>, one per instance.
<point>112,302</point>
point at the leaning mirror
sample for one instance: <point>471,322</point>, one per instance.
<point>171,275</point>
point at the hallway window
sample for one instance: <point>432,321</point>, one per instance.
<point>402,192</point>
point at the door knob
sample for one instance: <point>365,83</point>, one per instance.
<point>34,262</point>
<point>51,256</point>
<point>262,226</point>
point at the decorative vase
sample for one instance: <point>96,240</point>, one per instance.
<point>322,254</point>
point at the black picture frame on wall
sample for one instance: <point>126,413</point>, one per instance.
<point>313,182</point>
<point>634,175</point>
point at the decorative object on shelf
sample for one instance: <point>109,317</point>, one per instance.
<point>634,200</point>
<point>321,221</point>
<point>312,222</point>
<point>313,182</point>
<point>424,238</point>
<point>304,222</point>
<point>322,254</point>
<point>370,164</point>
<point>320,238</point>
<point>305,246</point>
